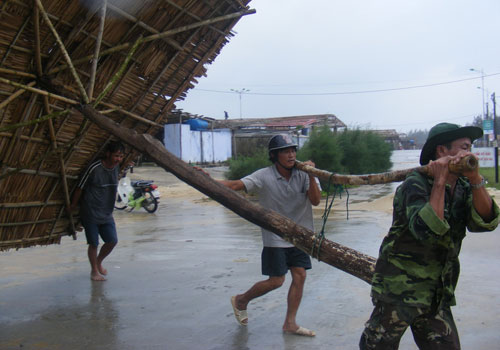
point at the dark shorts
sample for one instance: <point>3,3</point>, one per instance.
<point>107,232</point>
<point>277,261</point>
<point>431,330</point>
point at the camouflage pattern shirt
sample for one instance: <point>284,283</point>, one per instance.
<point>418,262</point>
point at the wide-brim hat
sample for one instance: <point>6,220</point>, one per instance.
<point>443,133</point>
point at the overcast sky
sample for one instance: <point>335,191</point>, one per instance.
<point>384,64</point>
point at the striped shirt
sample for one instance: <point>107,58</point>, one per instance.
<point>99,185</point>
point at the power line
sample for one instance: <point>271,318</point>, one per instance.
<point>350,92</point>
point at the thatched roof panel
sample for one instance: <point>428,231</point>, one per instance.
<point>48,66</point>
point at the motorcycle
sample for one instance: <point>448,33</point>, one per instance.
<point>136,195</point>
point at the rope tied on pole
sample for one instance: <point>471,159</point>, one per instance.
<point>318,238</point>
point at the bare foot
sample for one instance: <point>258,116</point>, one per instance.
<point>97,277</point>
<point>102,270</point>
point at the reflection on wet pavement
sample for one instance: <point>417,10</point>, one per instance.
<point>173,273</point>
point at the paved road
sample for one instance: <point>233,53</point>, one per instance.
<point>173,273</point>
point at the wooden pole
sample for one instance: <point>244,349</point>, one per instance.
<point>63,50</point>
<point>467,163</point>
<point>93,71</point>
<point>153,37</point>
<point>334,254</point>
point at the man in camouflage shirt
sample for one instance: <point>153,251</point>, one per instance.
<point>418,268</point>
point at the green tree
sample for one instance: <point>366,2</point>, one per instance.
<point>364,152</point>
<point>243,166</point>
<point>323,149</point>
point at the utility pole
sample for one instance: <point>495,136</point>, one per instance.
<point>493,99</point>
<point>240,92</point>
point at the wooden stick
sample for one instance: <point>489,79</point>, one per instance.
<point>120,71</point>
<point>65,53</point>
<point>34,121</point>
<point>98,41</point>
<point>16,95</point>
<point>162,35</point>
<point>334,254</point>
<point>17,72</point>
<point>38,91</point>
<point>469,163</point>
<point>30,204</point>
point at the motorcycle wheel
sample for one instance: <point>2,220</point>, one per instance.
<point>150,204</point>
<point>119,203</point>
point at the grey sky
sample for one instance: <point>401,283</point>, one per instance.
<point>324,53</point>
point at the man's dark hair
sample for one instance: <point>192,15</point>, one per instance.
<point>273,156</point>
<point>114,146</point>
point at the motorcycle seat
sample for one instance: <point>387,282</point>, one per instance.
<point>141,183</point>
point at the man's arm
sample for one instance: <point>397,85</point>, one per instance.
<point>235,185</point>
<point>440,172</point>
<point>313,193</point>
<point>76,198</point>
<point>480,197</point>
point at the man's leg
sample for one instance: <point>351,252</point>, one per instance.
<point>274,266</point>
<point>294,298</point>
<point>103,253</point>
<point>436,332</point>
<point>94,270</point>
<point>386,326</point>
<point>110,238</point>
<point>258,290</point>
<point>92,235</point>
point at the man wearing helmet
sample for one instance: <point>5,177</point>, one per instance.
<point>290,192</point>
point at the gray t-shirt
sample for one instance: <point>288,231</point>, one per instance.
<point>99,185</point>
<point>288,198</point>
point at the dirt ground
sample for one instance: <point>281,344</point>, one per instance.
<point>173,272</point>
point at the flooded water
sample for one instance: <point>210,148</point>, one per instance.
<point>173,273</point>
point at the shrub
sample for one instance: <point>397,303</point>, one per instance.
<point>364,152</point>
<point>243,166</point>
<point>323,149</point>
<point>349,152</point>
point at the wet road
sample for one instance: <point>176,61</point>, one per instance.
<point>173,273</point>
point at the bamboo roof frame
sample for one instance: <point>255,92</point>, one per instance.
<point>130,60</point>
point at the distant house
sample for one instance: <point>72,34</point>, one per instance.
<point>249,134</point>
<point>209,140</point>
<point>390,136</point>
<point>304,123</point>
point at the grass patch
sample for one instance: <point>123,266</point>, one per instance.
<point>489,175</point>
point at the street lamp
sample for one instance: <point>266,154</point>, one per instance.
<point>482,86</point>
<point>240,92</point>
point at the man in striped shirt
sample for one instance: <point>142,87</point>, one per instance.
<point>96,192</point>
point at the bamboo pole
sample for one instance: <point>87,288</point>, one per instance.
<point>120,71</point>
<point>143,25</point>
<point>17,72</point>
<point>11,171</point>
<point>16,242</point>
<point>63,50</point>
<point>24,223</point>
<point>93,70</point>
<point>30,204</point>
<point>162,35</point>
<point>14,41</point>
<point>16,95</point>
<point>467,163</point>
<point>38,91</point>
<point>332,253</point>
<point>34,121</point>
